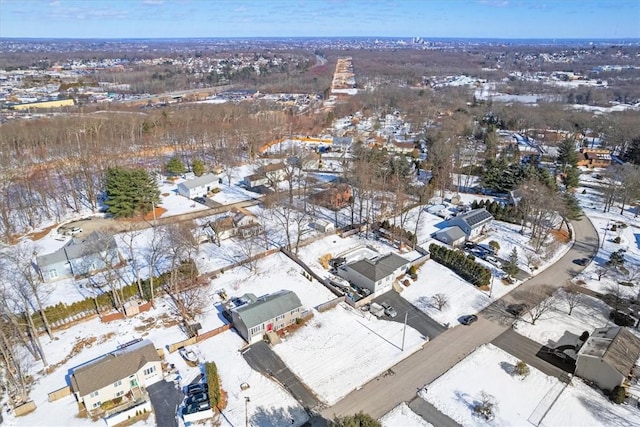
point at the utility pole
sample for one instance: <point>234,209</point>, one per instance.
<point>246,410</point>
<point>404,330</point>
<point>491,285</point>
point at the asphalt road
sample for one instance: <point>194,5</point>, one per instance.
<point>382,394</point>
<point>262,359</point>
<point>526,350</point>
<point>416,318</point>
<point>165,400</point>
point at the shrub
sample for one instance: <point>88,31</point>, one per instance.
<point>324,261</point>
<point>614,227</point>
<point>413,270</point>
<point>521,369</point>
<point>494,245</point>
<point>617,239</point>
<point>213,383</point>
<point>618,394</point>
<point>584,191</point>
<point>457,261</point>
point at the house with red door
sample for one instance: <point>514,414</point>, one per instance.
<point>253,317</point>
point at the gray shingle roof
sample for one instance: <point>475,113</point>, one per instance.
<point>623,352</point>
<point>453,233</point>
<point>113,367</point>
<point>267,307</point>
<point>205,179</point>
<point>378,268</point>
<point>78,248</point>
<point>476,217</point>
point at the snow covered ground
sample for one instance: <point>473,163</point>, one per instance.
<point>517,400</point>
<point>403,416</point>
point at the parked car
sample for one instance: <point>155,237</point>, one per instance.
<point>468,319</point>
<point>200,200</point>
<point>581,261</point>
<point>193,389</point>
<point>493,260</point>
<point>376,309</point>
<point>76,230</point>
<point>621,318</point>
<point>197,398</point>
<point>388,310</point>
<point>517,309</point>
<point>196,407</point>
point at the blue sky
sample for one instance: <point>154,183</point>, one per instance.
<point>588,19</point>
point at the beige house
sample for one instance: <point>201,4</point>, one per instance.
<point>238,222</point>
<point>130,368</point>
<point>608,356</point>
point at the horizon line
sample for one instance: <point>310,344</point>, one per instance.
<point>319,37</point>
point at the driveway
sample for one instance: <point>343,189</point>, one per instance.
<point>165,400</point>
<point>262,359</point>
<point>416,318</point>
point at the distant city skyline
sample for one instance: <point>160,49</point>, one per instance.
<point>501,19</point>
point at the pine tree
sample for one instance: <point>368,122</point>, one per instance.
<point>198,167</point>
<point>511,266</point>
<point>567,155</point>
<point>130,191</point>
<point>571,177</point>
<point>175,166</point>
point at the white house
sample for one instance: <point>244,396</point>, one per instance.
<point>608,357</point>
<point>130,368</point>
<point>376,274</point>
<point>452,236</point>
<point>472,223</point>
<point>198,187</point>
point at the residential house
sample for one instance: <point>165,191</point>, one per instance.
<point>237,222</point>
<point>452,236</point>
<point>79,256</point>
<point>269,313</point>
<point>323,225</point>
<point>198,187</point>
<point>266,175</point>
<point>472,223</point>
<point>335,197</point>
<point>342,143</point>
<point>129,369</point>
<point>594,158</point>
<point>376,274</point>
<point>608,356</point>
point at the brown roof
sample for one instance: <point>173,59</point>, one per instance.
<point>223,224</point>
<point>623,352</point>
<point>113,367</point>
<point>272,167</point>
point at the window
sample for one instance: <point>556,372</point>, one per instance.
<point>150,370</point>
<point>98,403</point>
<point>94,394</point>
<point>280,317</point>
<point>120,393</point>
<point>53,274</point>
<point>117,384</point>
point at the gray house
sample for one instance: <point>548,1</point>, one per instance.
<point>453,236</point>
<point>198,187</point>
<point>128,369</point>
<point>79,256</point>
<point>269,313</point>
<point>472,223</point>
<point>375,274</point>
<point>608,356</point>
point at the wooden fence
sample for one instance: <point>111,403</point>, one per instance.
<point>59,393</point>
<point>199,338</point>
<point>329,304</point>
<point>25,408</point>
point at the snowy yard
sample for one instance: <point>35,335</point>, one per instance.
<point>517,400</point>
<point>403,416</point>
<point>354,346</point>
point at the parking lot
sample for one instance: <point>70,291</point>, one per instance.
<point>415,318</point>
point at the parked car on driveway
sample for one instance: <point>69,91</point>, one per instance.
<point>493,260</point>
<point>388,310</point>
<point>193,389</point>
<point>468,319</point>
<point>196,398</point>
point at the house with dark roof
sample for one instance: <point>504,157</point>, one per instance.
<point>608,356</point>
<point>255,317</point>
<point>472,223</point>
<point>376,274</point>
<point>131,367</point>
<point>266,175</point>
<point>198,187</point>
<point>452,236</point>
<point>79,256</point>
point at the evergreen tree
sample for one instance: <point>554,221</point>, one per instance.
<point>130,191</point>
<point>571,177</point>
<point>198,167</point>
<point>358,420</point>
<point>632,153</point>
<point>175,166</point>
<point>511,266</point>
<point>567,155</point>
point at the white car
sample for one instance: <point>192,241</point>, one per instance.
<point>493,260</point>
<point>76,230</point>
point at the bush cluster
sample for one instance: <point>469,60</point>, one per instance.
<point>457,261</point>
<point>398,231</point>
<point>500,211</point>
<point>213,383</point>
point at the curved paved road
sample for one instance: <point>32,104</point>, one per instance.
<point>382,394</point>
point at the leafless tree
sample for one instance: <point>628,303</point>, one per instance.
<point>19,262</point>
<point>440,301</point>
<point>249,249</point>
<point>602,270</point>
<point>128,240</point>
<point>539,302</point>
<point>154,255</point>
<point>572,297</point>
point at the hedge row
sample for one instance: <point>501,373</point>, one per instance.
<point>461,264</point>
<point>213,383</point>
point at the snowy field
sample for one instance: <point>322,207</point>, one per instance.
<point>489,370</point>
<point>403,416</point>
<point>354,346</point>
